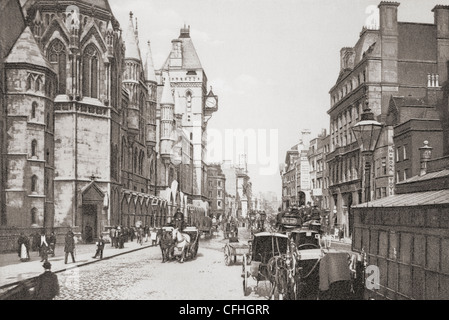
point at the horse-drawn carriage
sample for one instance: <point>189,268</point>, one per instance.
<point>179,244</point>
<point>230,230</point>
<point>205,225</point>
<point>234,249</point>
<point>300,264</point>
<point>263,248</point>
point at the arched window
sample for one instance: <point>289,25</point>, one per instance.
<point>33,216</point>
<point>29,82</point>
<point>123,155</point>
<point>38,84</point>
<point>189,100</point>
<point>34,148</point>
<point>135,160</point>
<point>34,183</point>
<point>171,176</point>
<point>90,72</point>
<point>57,57</point>
<point>33,109</point>
<point>142,157</point>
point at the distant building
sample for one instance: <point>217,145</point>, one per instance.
<point>217,190</point>
<point>296,174</point>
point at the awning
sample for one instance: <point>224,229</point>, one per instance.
<point>410,199</point>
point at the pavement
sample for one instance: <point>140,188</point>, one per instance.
<point>12,270</point>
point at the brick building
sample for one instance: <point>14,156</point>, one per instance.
<point>397,59</point>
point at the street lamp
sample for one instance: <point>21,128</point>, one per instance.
<point>367,132</point>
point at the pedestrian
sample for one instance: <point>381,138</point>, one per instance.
<point>100,247</point>
<point>146,230</point>
<point>117,236</point>
<point>112,234</point>
<point>52,243</point>
<point>121,238</point>
<point>24,247</point>
<point>43,247</point>
<point>47,285</point>
<point>69,246</point>
<point>132,233</point>
<point>36,241</point>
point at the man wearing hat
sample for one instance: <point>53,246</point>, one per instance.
<point>69,246</point>
<point>47,285</point>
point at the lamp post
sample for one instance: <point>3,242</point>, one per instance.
<point>367,132</point>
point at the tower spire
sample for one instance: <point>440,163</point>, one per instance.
<point>131,43</point>
<point>150,74</point>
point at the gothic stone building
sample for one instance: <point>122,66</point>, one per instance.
<point>80,123</point>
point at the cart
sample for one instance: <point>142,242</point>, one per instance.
<point>205,226</point>
<point>264,249</point>
<point>234,249</point>
<point>187,249</point>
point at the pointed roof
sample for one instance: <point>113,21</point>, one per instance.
<point>190,59</point>
<point>150,74</point>
<point>132,47</point>
<point>178,105</point>
<point>167,97</point>
<point>26,50</point>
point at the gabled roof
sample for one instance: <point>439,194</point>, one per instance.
<point>190,59</point>
<point>26,50</point>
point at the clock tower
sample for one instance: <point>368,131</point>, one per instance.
<point>188,78</point>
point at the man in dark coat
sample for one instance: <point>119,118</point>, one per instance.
<point>36,240</point>
<point>47,285</point>
<point>69,246</point>
<point>52,243</point>
<point>100,247</point>
<point>179,220</point>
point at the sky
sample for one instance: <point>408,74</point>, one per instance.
<point>270,62</point>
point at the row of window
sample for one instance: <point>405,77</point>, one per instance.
<point>401,153</point>
<point>346,170</point>
<point>90,69</point>
<point>351,84</point>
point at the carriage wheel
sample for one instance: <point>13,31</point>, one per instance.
<point>227,255</point>
<point>245,278</point>
<point>195,250</point>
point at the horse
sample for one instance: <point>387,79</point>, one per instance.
<point>182,242</point>
<point>167,244</point>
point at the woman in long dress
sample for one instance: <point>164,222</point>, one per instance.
<point>24,247</point>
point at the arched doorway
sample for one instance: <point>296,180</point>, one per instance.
<point>92,203</point>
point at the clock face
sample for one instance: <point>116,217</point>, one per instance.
<point>211,102</point>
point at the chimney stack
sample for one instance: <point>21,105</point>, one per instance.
<point>425,155</point>
<point>441,16</point>
<point>388,15</point>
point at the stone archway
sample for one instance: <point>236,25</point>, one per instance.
<point>92,205</point>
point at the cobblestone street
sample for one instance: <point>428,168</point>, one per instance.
<point>141,275</point>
